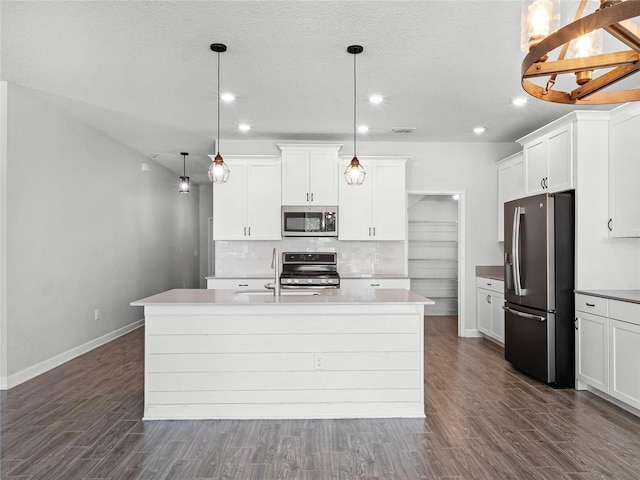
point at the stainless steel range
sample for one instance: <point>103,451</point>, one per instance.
<point>308,269</point>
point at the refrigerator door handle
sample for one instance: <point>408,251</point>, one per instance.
<point>515,247</point>
<point>522,314</point>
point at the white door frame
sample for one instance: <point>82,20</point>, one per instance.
<point>3,235</point>
<point>462,310</point>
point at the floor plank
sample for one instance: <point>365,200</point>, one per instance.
<point>484,421</point>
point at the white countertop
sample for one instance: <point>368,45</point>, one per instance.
<point>200,297</point>
<point>366,276</point>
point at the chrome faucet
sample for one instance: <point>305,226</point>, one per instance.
<point>275,264</point>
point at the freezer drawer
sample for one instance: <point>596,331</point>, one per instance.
<point>529,341</point>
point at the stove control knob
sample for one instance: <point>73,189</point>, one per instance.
<point>309,281</point>
<point>324,280</point>
<point>288,280</point>
<point>295,280</point>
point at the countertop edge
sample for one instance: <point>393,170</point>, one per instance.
<point>630,296</point>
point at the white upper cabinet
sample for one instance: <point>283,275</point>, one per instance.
<point>309,174</point>
<point>377,209</point>
<point>510,185</point>
<point>548,159</point>
<point>624,172</point>
<point>247,206</point>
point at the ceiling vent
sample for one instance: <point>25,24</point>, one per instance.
<point>403,129</point>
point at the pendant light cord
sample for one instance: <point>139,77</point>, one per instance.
<point>218,142</point>
<point>354,105</point>
<point>184,165</point>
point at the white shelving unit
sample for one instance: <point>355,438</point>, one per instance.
<point>433,251</point>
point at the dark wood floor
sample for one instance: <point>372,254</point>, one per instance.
<point>484,421</point>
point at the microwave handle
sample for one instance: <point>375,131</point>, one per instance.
<point>323,222</point>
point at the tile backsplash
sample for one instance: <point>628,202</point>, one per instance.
<point>354,258</point>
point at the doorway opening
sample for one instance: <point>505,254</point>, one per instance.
<point>435,251</point>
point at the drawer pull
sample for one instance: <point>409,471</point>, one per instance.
<point>488,284</point>
<point>591,304</point>
<point>375,284</point>
<point>243,284</point>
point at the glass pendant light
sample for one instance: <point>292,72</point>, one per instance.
<point>354,174</point>
<point>184,180</point>
<point>218,170</point>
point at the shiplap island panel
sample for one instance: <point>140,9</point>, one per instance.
<point>229,354</point>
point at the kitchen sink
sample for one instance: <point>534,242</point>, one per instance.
<point>283,293</point>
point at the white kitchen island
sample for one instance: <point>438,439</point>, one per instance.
<point>341,354</point>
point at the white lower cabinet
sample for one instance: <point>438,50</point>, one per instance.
<point>624,362</point>
<point>608,347</point>
<point>490,299</point>
<point>238,283</point>
<point>592,350</point>
<point>373,282</point>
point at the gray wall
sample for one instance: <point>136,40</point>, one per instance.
<point>86,229</point>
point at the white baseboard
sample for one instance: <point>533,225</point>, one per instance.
<point>42,367</point>
<point>472,333</point>
<point>615,401</point>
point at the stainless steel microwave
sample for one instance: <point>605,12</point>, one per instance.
<point>310,221</point>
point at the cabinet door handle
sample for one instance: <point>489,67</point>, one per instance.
<point>312,196</point>
<point>488,298</point>
<point>542,182</point>
<point>374,231</point>
<point>575,323</point>
<point>245,231</point>
<point>369,231</point>
<point>591,304</point>
<point>609,224</point>
<point>249,231</point>
<point>243,284</point>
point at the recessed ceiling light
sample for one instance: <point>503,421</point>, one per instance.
<point>363,128</point>
<point>479,130</point>
<point>518,102</point>
<point>244,127</point>
<point>227,97</point>
<point>376,99</point>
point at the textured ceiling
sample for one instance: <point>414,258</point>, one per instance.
<point>142,71</point>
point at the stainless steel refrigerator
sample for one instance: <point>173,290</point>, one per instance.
<point>539,283</point>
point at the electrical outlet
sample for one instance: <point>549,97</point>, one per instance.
<point>318,362</point>
<point>96,314</point>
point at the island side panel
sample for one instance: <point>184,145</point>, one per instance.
<point>291,361</point>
